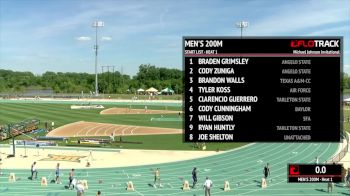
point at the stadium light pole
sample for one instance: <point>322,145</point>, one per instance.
<point>242,24</point>
<point>96,25</point>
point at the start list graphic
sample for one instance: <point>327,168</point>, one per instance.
<point>254,89</point>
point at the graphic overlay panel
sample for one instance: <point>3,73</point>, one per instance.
<point>314,173</point>
<point>268,89</point>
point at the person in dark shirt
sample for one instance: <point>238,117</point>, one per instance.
<point>266,171</point>
<point>194,177</point>
<point>71,177</point>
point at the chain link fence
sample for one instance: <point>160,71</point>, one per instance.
<point>339,156</point>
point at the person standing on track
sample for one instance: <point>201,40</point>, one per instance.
<point>71,177</point>
<point>207,186</point>
<point>80,188</point>
<point>58,174</point>
<point>33,171</point>
<point>330,186</point>
<point>266,171</point>
<point>348,178</point>
<point>194,177</point>
<point>157,178</point>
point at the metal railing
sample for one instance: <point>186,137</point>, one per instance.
<point>339,156</point>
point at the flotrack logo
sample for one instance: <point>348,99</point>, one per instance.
<point>314,43</point>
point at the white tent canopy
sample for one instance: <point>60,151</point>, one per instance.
<point>151,90</point>
<point>168,91</point>
<point>140,90</point>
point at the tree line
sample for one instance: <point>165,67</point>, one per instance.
<point>346,81</point>
<point>108,82</point>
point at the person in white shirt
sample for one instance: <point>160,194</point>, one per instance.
<point>80,188</point>
<point>34,171</point>
<point>316,160</point>
<point>207,186</point>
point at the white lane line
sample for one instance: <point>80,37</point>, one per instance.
<point>94,129</point>
<point>115,128</point>
<point>109,127</point>
<point>283,168</point>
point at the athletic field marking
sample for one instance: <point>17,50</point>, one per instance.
<point>274,171</point>
<point>83,129</point>
<point>125,129</point>
<point>206,170</point>
<point>283,174</point>
<point>49,176</point>
<point>170,185</point>
<point>132,131</point>
<point>87,128</point>
<point>93,128</point>
<point>117,128</point>
<point>110,127</point>
<point>97,130</point>
<point>136,175</point>
<point>228,155</point>
<point>70,158</point>
<point>254,171</point>
<point>236,161</point>
<point>126,174</point>
<point>139,192</point>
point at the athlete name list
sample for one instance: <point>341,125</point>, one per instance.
<point>259,89</point>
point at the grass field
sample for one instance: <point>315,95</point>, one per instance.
<point>159,142</point>
<point>101,95</point>
<point>141,97</point>
<point>61,114</point>
<point>346,114</point>
<point>242,168</point>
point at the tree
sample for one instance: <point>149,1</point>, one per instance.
<point>146,77</point>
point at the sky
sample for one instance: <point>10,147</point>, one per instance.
<point>57,35</point>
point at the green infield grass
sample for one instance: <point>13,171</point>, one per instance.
<point>61,114</point>
<point>155,142</point>
<point>346,114</point>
